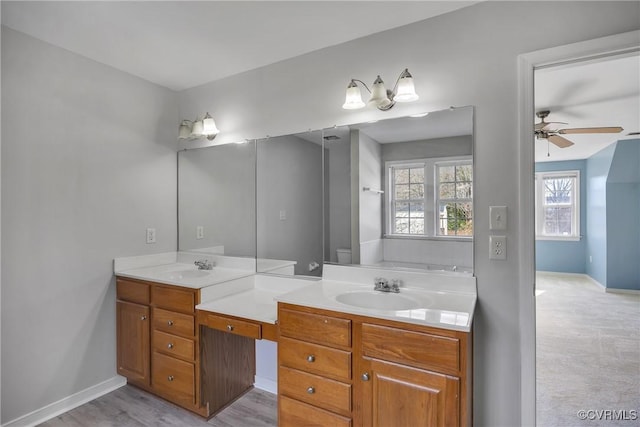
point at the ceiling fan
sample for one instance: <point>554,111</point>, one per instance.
<point>546,130</point>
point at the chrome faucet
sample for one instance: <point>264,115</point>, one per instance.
<point>381,284</point>
<point>204,264</point>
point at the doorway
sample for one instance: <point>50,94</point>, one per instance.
<point>562,56</point>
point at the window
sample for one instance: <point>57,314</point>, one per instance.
<point>428,198</point>
<point>557,205</point>
<point>408,199</point>
<point>454,198</point>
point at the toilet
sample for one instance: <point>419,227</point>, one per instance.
<point>344,256</point>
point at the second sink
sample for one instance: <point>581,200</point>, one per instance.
<point>378,300</point>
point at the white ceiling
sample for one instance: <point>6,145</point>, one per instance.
<point>602,92</point>
<point>182,44</point>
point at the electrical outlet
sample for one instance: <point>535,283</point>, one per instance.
<point>283,215</point>
<point>200,232</point>
<point>497,217</point>
<point>498,247</point>
<point>151,235</point>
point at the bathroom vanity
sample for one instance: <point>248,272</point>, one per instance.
<point>347,355</point>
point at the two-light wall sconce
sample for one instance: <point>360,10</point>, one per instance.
<point>384,99</point>
<point>199,128</point>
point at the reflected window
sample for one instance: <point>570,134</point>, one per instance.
<point>454,184</point>
<point>408,199</point>
<point>428,197</point>
<point>557,205</point>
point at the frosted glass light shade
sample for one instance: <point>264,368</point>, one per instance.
<point>353,99</point>
<point>209,126</point>
<point>379,96</point>
<point>406,91</point>
<point>185,130</point>
<point>198,129</point>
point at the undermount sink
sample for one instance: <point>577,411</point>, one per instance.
<point>379,300</point>
<point>186,274</point>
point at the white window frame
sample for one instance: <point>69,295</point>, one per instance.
<point>540,205</point>
<point>430,208</point>
<point>438,164</point>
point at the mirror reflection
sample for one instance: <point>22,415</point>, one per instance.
<point>289,204</point>
<point>216,200</point>
<point>399,192</point>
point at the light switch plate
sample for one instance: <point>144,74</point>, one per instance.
<point>498,247</point>
<point>199,232</point>
<point>497,217</point>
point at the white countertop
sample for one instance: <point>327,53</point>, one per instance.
<point>231,287</point>
<point>441,309</point>
<point>255,297</point>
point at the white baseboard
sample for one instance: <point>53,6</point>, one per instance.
<point>622,291</point>
<point>68,403</point>
<point>266,384</point>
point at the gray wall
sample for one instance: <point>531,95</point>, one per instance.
<point>338,190</point>
<point>289,178</point>
<point>217,190</point>
<point>370,175</point>
<point>88,163</point>
<point>437,147</point>
<point>476,50</point>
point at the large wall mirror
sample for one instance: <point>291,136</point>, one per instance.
<point>289,204</point>
<point>217,200</point>
<point>399,192</point>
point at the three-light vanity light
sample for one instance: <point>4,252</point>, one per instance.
<point>382,98</point>
<point>199,128</point>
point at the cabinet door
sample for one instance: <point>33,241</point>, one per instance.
<point>396,395</point>
<point>133,341</point>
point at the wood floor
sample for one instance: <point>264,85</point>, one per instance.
<point>131,407</point>
<point>588,353</point>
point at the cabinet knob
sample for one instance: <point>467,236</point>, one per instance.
<point>143,317</point>
<point>365,376</point>
<point>229,328</point>
<point>170,322</point>
<point>311,358</point>
<point>170,345</point>
<point>311,390</point>
<point>170,378</point>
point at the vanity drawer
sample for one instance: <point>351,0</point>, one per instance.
<point>173,377</point>
<point>418,349</point>
<point>315,358</point>
<point>316,390</point>
<point>174,323</point>
<point>173,298</point>
<point>294,414</point>
<point>234,326</point>
<point>174,345</point>
<point>129,290</point>
<point>318,328</point>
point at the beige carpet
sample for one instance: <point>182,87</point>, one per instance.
<point>588,354</point>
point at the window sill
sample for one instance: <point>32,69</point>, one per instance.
<point>560,238</point>
<point>440,238</point>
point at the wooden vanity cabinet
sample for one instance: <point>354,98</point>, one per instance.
<point>158,341</point>
<point>378,372</point>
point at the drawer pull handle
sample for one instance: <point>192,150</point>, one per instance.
<point>170,322</point>
<point>170,378</point>
<point>229,328</point>
<point>365,376</point>
<point>311,358</point>
<point>143,317</point>
<point>170,345</point>
<point>311,390</point>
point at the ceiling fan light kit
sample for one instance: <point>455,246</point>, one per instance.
<point>545,130</point>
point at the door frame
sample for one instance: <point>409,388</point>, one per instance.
<point>527,63</point>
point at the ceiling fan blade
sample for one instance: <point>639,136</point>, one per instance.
<point>560,141</point>
<point>616,129</point>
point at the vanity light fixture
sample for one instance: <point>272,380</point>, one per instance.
<point>381,97</point>
<point>199,128</point>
